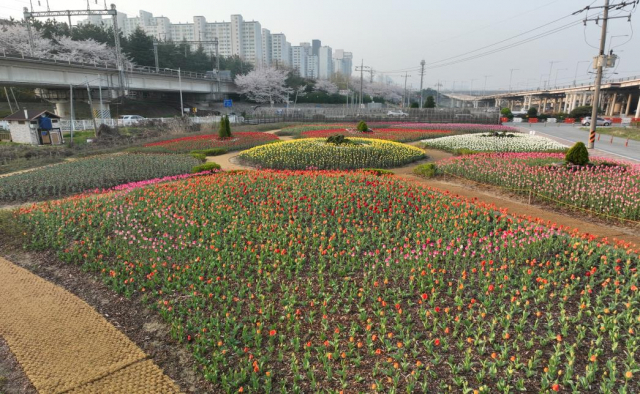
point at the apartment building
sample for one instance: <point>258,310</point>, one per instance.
<point>238,37</point>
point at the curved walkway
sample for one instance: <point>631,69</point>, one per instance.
<point>64,346</point>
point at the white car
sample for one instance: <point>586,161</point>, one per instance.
<point>397,113</point>
<point>127,120</point>
<point>599,122</point>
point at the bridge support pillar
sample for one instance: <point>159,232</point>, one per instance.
<point>100,111</point>
<point>63,108</point>
<point>638,109</point>
<point>629,99</point>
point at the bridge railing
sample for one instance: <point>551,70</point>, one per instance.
<point>112,67</point>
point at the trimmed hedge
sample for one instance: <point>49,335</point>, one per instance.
<point>427,170</point>
<point>211,151</point>
<point>205,167</point>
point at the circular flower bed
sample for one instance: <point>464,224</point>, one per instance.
<point>398,135</point>
<point>238,141</point>
<point>496,143</point>
<point>317,153</point>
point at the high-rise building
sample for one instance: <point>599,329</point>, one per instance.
<point>342,62</point>
<point>325,59</point>
<point>313,66</point>
<point>266,47</point>
<point>238,37</point>
<point>299,56</point>
<point>315,47</point>
<point>280,51</point>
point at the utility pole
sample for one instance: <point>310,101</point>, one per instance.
<point>155,55</point>
<point>405,88</point>
<point>8,99</point>
<point>422,63</point>
<point>602,61</point>
<point>438,93</point>
<point>93,116</point>
<point>362,69</point>
<point>180,86</point>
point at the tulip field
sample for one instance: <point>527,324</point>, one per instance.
<point>100,172</point>
<point>322,281</point>
<point>488,143</point>
<point>318,154</point>
<point>398,135</point>
<point>238,141</point>
<point>608,190</point>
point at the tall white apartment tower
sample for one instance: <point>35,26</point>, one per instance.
<point>266,47</point>
<point>279,51</point>
<point>325,59</point>
<point>299,56</point>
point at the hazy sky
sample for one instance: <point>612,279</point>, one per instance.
<point>393,36</point>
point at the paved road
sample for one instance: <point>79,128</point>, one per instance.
<point>569,134</point>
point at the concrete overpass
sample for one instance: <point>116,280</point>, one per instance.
<point>54,80</point>
<point>618,97</point>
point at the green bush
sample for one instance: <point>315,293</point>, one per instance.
<point>362,126</point>
<point>377,171</point>
<point>205,167</point>
<point>211,151</point>
<point>414,105</point>
<point>578,154</point>
<point>581,112</point>
<point>430,102</point>
<point>506,112</point>
<point>427,170</point>
<point>200,156</point>
<point>532,112</point>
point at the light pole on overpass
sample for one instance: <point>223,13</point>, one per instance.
<point>511,77</point>
<point>550,70</point>
<point>555,83</point>
<point>575,76</point>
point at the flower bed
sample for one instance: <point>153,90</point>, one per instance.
<point>100,172</point>
<point>327,281</point>
<point>398,135</point>
<point>238,141</point>
<point>491,143</point>
<point>602,189</point>
<point>459,128</point>
<point>317,153</point>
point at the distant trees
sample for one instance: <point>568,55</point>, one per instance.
<point>325,86</point>
<point>430,102</point>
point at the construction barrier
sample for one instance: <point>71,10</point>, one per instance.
<point>616,120</point>
<point>570,120</point>
<point>504,120</point>
<point>533,120</point>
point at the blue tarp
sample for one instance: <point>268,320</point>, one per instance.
<point>45,123</point>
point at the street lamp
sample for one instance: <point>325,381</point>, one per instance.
<point>575,77</point>
<point>511,77</point>
<point>179,87</point>
<point>551,69</point>
<point>555,83</point>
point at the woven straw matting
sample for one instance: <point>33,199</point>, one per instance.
<point>63,345</point>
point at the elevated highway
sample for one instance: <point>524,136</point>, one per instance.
<point>54,80</point>
<point>618,97</point>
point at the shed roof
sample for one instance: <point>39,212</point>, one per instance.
<point>31,115</point>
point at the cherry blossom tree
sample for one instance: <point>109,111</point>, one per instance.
<point>85,51</point>
<point>326,86</point>
<point>264,85</point>
<point>14,38</point>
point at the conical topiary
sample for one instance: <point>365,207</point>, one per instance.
<point>227,126</point>
<point>362,126</point>
<point>222,129</point>
<point>578,154</point>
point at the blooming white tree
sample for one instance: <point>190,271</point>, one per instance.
<point>391,93</point>
<point>323,85</point>
<point>264,85</point>
<point>14,38</point>
<point>85,51</point>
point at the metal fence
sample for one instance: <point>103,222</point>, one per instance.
<point>320,115</point>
